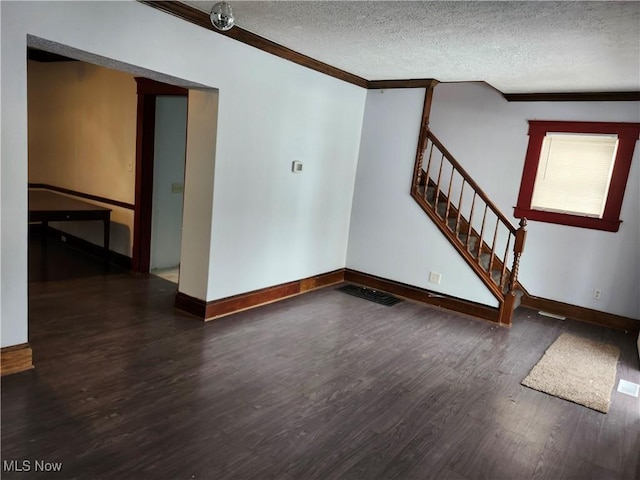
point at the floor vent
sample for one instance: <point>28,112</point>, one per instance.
<point>629,388</point>
<point>369,294</point>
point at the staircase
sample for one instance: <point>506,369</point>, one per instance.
<point>482,234</point>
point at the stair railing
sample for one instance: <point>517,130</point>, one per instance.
<point>443,178</point>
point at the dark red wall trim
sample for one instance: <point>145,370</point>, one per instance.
<point>610,221</point>
<point>568,219</point>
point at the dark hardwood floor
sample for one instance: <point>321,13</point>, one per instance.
<point>320,386</point>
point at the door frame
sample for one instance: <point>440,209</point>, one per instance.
<point>147,91</point>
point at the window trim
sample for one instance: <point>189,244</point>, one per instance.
<point>627,135</point>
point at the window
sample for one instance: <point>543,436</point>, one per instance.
<point>575,173</point>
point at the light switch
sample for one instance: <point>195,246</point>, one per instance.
<point>177,187</point>
<point>296,167</point>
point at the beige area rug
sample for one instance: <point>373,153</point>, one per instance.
<point>577,369</point>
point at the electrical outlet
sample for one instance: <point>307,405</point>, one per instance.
<point>597,294</point>
<point>130,166</point>
<point>296,167</point>
<point>435,278</point>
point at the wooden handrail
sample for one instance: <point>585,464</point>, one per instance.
<point>494,288</point>
<point>465,175</point>
<point>433,193</point>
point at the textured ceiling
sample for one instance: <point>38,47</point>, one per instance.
<point>515,46</point>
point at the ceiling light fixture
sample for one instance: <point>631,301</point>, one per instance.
<point>221,16</point>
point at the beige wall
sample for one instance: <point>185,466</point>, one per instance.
<point>82,136</point>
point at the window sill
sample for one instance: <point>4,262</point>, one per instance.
<point>604,224</point>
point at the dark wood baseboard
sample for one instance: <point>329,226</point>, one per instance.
<point>582,314</point>
<point>422,295</point>
<point>237,303</point>
<point>15,359</point>
<point>244,301</point>
<point>191,305</point>
<point>81,244</point>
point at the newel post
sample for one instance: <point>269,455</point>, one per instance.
<point>509,303</point>
<point>518,248</point>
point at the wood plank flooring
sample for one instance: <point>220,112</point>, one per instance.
<point>320,386</point>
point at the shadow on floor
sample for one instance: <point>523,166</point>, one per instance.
<point>58,261</point>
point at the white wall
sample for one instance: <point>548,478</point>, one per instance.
<point>168,169</point>
<point>13,204</point>
<point>269,225</point>
<point>488,136</point>
<point>202,114</point>
<point>82,136</point>
<point>390,234</point>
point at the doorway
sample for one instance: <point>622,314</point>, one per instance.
<point>168,186</point>
<point>160,166</point>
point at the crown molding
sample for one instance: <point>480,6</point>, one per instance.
<point>573,97</point>
<point>412,83</point>
<point>201,19</point>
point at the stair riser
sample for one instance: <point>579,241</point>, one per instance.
<point>461,238</point>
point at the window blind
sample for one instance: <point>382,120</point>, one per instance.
<point>574,173</point>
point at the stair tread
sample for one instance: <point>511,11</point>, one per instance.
<point>450,219</point>
<point>450,222</point>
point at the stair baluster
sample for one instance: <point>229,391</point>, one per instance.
<point>493,246</point>
<point>426,176</point>
<point>446,212</point>
<point>472,247</point>
<point>473,204</point>
<point>457,229</point>
<point>484,219</point>
<point>437,197</point>
<point>504,261</point>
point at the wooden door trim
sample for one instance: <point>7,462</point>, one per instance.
<point>147,90</point>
